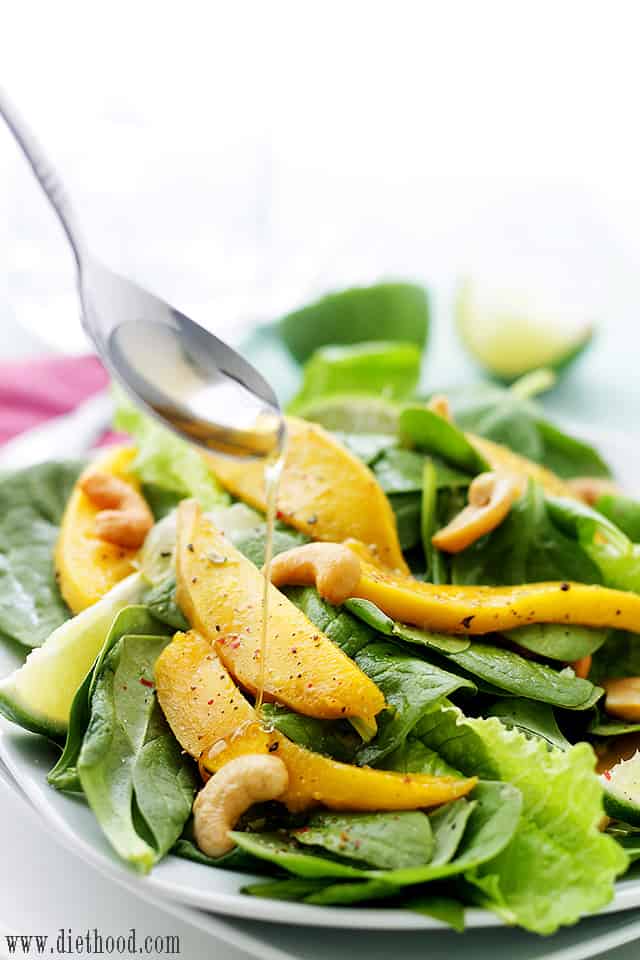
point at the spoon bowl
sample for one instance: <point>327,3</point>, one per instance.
<point>176,369</point>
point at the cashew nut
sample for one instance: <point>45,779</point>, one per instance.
<point>125,518</point>
<point>243,781</point>
<point>590,489</point>
<point>490,498</point>
<point>439,404</point>
<point>332,568</point>
<point>623,698</point>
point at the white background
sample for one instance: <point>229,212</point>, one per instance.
<point>238,158</point>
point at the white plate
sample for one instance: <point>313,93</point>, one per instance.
<point>29,758</point>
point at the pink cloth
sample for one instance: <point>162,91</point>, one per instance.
<point>32,391</point>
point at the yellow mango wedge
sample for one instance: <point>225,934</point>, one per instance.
<point>223,600</point>
<point>204,709</point>
<point>325,492</point>
<point>86,566</point>
<point>478,610</point>
<point>503,459</point>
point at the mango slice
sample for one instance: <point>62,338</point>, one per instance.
<point>204,709</point>
<point>220,592</point>
<point>325,492</point>
<point>88,567</point>
<point>477,610</point>
<point>504,459</point>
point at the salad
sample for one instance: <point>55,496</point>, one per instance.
<point>451,676</point>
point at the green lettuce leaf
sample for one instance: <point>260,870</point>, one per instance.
<point>166,461</point>
<point>558,866</point>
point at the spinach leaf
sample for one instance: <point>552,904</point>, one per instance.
<point>344,894</point>
<point>32,502</point>
<point>631,846</point>
<point>433,434</point>
<point>348,632</point>
<point>437,569</point>
<point>448,824</point>
<point>531,718</point>
<point>164,783</point>
<point>132,620</point>
<point>287,853</point>
<point>489,828</point>
<point>557,641</point>
<point>603,726</point>
<point>414,756</point>
<point>623,512</point>
<point>334,738</point>
<point>236,859</point>
<point>381,623</point>
<point>618,657</point>
<point>45,487</point>
<point>525,678</point>
<point>502,415</point>
<point>384,311</point>
<point>445,909</point>
<point>616,556</point>
<point>383,840</point>
<point>373,367</point>
<point>127,756</point>
<point>411,688</point>
<point>252,543</point>
<point>407,510</point>
<point>162,604</point>
<point>401,471</point>
<point>568,456</point>
<point>527,547</point>
<point>293,888</point>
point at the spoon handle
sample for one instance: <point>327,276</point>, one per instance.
<point>46,174</point>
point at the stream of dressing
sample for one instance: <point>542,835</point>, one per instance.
<point>273,468</point>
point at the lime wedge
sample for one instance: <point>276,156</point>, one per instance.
<point>511,333</point>
<point>38,695</point>
<point>352,413</point>
<point>622,791</point>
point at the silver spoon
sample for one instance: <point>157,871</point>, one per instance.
<point>184,375</point>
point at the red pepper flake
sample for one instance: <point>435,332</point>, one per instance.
<point>607,774</point>
<point>235,644</point>
<point>309,685</point>
<point>145,682</point>
<point>280,515</point>
<point>303,830</point>
<point>209,702</point>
